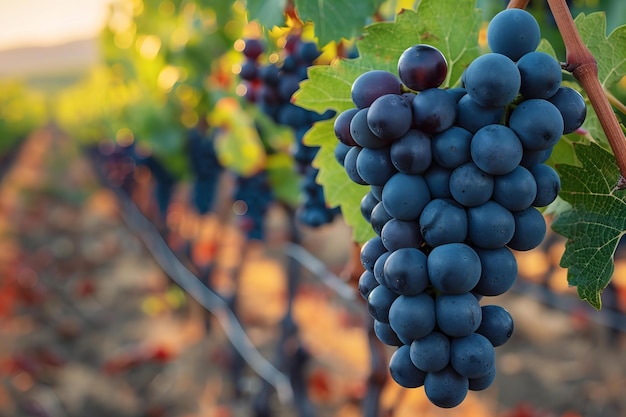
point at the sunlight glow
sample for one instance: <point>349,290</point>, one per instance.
<point>149,46</point>
<point>168,77</point>
<point>43,23</point>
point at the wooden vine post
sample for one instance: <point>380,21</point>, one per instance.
<point>584,67</point>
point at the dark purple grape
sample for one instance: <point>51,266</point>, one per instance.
<point>249,70</point>
<point>421,67</point>
<point>373,84</point>
<point>342,126</point>
<point>307,52</point>
<point>253,48</point>
<point>572,106</point>
<point>513,32</point>
<point>390,117</point>
<point>434,110</point>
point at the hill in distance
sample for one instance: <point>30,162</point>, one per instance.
<point>50,67</point>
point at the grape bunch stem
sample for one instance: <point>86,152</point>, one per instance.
<point>584,67</point>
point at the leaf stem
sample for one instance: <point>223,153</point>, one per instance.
<point>583,66</point>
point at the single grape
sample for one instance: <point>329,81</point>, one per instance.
<point>349,165</point>
<point>531,158</point>
<point>470,186</point>
<point>342,126</point>
<point>379,302</point>
<point>374,165</point>
<point>411,153</point>
<point>530,229</point>
<point>341,150</point>
<point>516,190</point>
<point>499,271</point>
<point>379,269</point>
<point>490,225</point>
<point>514,33</point>
<point>446,388</point>
<point>367,205</point>
<point>405,196</point>
<point>492,80</point>
<point>377,191</point>
<point>431,353</point>
<point>572,107</point>
<point>379,217</point>
<point>412,316</point>
<point>541,75</point>
<point>443,221</point>
<point>291,65</point>
<point>403,371</point>
<point>362,134</point>
<point>451,148</point>
<point>548,184</point>
<point>421,67</point>
<point>434,110</point>
<point>367,283</point>
<point>249,70</point>
<point>389,117</point>
<point>373,84</point>
<point>438,180</point>
<point>370,251</point>
<point>472,356</point>
<point>483,382</point>
<point>473,116</point>
<point>537,123</point>
<point>457,314</point>
<point>307,52</point>
<point>453,268</point>
<point>496,149</point>
<point>398,234</point>
<point>253,48</point>
<point>405,271</point>
<point>496,325</point>
<point>385,334</point>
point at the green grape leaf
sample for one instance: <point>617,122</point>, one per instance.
<point>237,140</point>
<point>286,186</point>
<point>594,224</point>
<point>339,190</point>
<point>610,52</point>
<point>328,86</point>
<point>268,13</point>
<point>337,19</point>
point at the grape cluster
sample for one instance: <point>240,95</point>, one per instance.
<point>456,177</point>
<point>206,168</point>
<point>252,198</point>
<point>119,167</point>
<point>271,88</point>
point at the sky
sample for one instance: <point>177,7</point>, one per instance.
<point>49,22</point>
